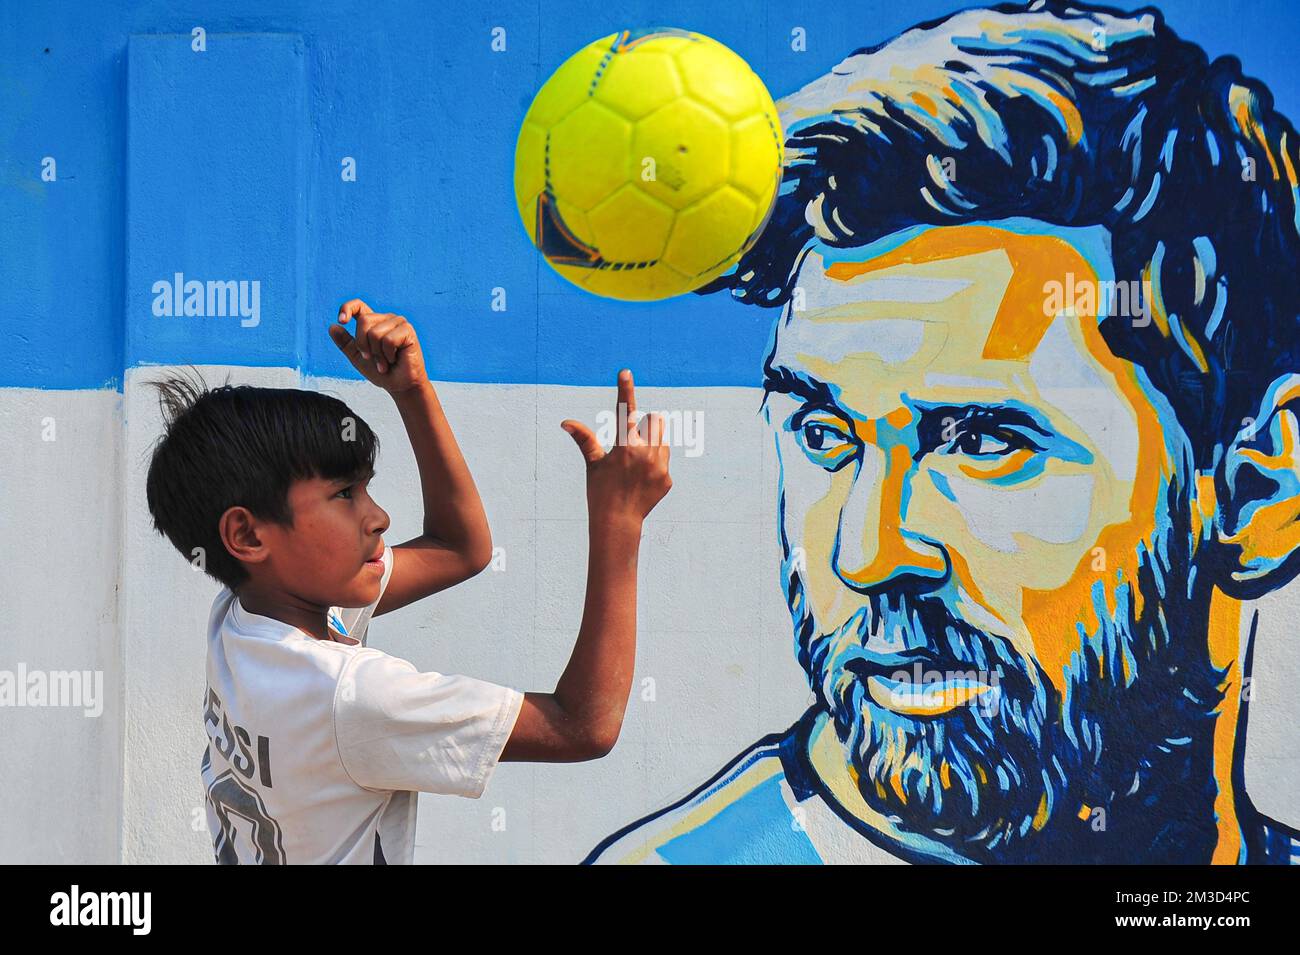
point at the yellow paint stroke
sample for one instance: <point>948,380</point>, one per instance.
<point>899,418</point>
<point>923,101</point>
<point>1272,532</point>
<point>1290,167</point>
<point>1193,347</point>
<point>1285,454</point>
<point>1073,121</point>
<point>1224,645</point>
<point>1206,504</point>
<point>1040,817</point>
<point>1009,464</point>
<point>1243,103</point>
<point>896,784</point>
<point>1289,392</point>
<point>1157,303</point>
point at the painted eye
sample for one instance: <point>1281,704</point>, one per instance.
<point>980,443</point>
<point>819,436</point>
<point>825,444</point>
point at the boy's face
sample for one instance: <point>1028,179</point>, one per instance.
<point>324,558</point>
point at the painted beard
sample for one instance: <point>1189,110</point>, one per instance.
<point>1010,782</point>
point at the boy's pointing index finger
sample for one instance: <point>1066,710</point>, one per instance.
<point>627,395</point>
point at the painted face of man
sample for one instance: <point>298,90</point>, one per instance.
<point>981,542</point>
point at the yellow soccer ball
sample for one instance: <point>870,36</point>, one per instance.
<point>648,163</point>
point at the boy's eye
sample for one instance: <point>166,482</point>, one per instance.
<point>351,489</point>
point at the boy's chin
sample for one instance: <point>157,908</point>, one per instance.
<point>361,592</point>
<point>369,595</point>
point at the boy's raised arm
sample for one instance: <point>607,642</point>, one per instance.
<point>456,543</point>
<point>582,718</point>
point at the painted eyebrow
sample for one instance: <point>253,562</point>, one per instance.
<point>993,413</point>
<point>778,379</point>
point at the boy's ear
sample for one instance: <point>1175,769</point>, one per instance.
<point>239,535</point>
<point>1258,513</point>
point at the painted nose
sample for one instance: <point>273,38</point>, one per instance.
<point>874,546</point>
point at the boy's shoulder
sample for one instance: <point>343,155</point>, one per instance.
<point>249,654</point>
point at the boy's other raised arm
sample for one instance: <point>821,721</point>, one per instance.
<point>582,717</point>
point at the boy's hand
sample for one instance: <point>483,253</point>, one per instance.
<point>629,480</point>
<point>385,349</point>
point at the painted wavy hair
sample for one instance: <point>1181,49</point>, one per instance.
<point>1076,115</point>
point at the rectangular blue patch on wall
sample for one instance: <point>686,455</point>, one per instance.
<point>215,225</point>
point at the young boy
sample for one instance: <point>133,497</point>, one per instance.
<point>318,744</point>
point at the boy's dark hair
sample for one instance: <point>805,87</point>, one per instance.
<point>1076,115</point>
<point>237,445</point>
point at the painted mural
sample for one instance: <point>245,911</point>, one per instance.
<point>1033,382</point>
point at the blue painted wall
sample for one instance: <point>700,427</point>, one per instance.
<point>226,165</point>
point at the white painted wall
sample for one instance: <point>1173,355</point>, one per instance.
<point>92,586</point>
<point>60,540</point>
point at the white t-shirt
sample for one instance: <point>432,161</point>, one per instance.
<point>316,750</point>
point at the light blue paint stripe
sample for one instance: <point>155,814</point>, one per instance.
<point>756,829</point>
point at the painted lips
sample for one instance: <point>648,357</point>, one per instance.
<point>930,698</point>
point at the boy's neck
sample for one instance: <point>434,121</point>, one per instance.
<point>311,620</point>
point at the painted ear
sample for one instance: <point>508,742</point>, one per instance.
<point>1259,505</point>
